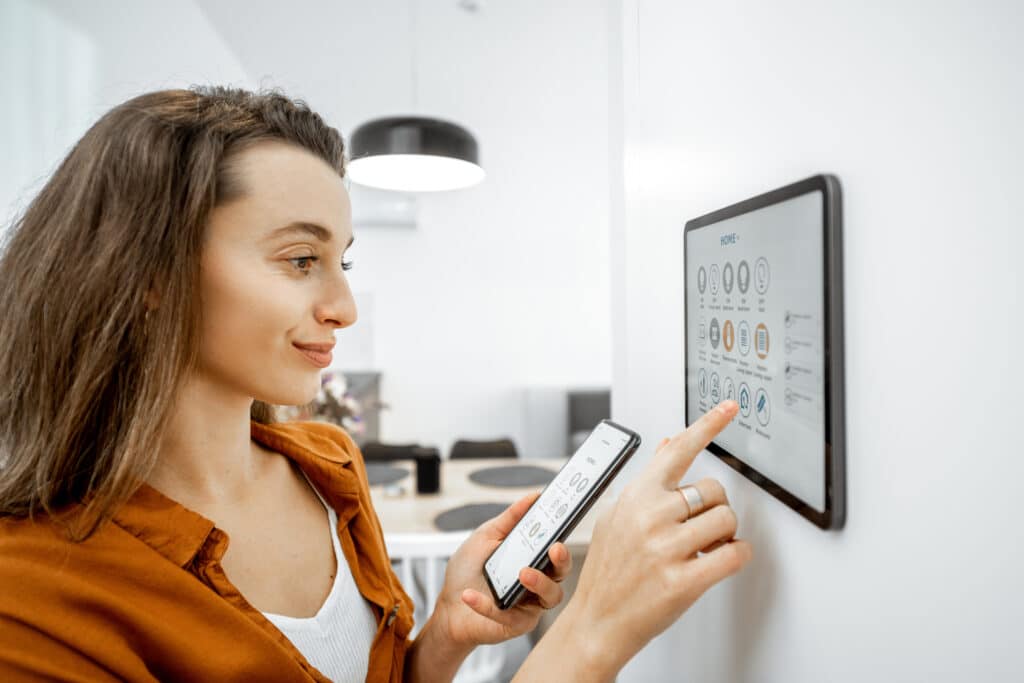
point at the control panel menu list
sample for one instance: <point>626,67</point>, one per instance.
<point>551,511</point>
<point>755,303</point>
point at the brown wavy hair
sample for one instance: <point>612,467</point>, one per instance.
<point>89,366</point>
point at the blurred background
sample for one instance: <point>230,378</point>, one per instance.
<point>604,125</point>
<point>479,309</point>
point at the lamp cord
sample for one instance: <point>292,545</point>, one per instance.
<point>412,56</point>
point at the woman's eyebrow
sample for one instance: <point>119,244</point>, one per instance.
<point>317,231</point>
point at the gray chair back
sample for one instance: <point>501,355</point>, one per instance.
<point>499,448</point>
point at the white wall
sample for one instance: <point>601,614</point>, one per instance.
<point>500,288</point>
<point>917,108</point>
<point>46,70</point>
<point>64,64</point>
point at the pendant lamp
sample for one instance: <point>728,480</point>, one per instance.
<point>414,154</point>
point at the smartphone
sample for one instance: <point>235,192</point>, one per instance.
<point>560,507</point>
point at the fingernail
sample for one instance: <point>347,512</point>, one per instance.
<point>530,579</point>
<point>728,407</point>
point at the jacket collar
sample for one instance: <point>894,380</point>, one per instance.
<point>178,533</point>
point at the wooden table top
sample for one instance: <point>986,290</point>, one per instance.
<point>402,510</point>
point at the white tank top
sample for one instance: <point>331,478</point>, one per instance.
<point>337,639</point>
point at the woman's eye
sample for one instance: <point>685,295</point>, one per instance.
<point>301,262</point>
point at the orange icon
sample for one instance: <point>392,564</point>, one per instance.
<point>761,340</point>
<point>728,335</point>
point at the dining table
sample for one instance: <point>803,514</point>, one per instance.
<point>402,510</point>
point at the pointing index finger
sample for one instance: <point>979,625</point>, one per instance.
<point>680,452</point>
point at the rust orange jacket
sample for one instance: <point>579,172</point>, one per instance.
<point>146,598</point>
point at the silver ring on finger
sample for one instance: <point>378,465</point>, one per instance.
<point>694,501</point>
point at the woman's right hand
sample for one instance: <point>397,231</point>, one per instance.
<point>643,569</point>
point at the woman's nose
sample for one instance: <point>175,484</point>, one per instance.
<point>338,307</point>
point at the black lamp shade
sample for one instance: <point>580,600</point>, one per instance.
<point>414,154</point>
<point>413,135</point>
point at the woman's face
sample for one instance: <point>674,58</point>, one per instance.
<point>272,276</point>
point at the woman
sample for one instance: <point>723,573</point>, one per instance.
<point>182,272</point>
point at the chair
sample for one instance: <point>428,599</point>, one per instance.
<point>377,451</point>
<point>500,448</point>
<point>419,560</point>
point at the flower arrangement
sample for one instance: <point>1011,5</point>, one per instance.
<point>332,404</point>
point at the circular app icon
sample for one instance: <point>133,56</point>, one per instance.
<point>743,398</point>
<point>743,276</point>
<point>727,278</point>
<point>702,332</point>
<point>702,382</point>
<point>715,278</point>
<point>728,390</point>
<point>743,337</point>
<point>714,333</point>
<point>761,340</point>
<point>762,408</point>
<point>702,279</point>
<point>728,335</point>
<point>762,276</point>
<point>716,388</point>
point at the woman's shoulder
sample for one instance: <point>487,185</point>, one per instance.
<point>39,563</point>
<point>77,610</point>
<point>33,547</point>
<point>22,537</point>
<point>40,554</point>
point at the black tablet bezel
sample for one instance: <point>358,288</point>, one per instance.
<point>834,515</point>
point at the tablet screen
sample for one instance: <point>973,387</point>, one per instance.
<point>756,334</point>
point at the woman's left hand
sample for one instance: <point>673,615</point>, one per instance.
<point>467,611</point>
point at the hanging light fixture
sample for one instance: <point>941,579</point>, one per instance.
<point>414,153</point>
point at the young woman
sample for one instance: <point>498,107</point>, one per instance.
<point>182,272</point>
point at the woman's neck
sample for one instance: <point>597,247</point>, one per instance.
<point>207,456</point>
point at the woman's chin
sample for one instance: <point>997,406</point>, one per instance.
<point>298,396</point>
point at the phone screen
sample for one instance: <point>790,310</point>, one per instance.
<point>560,506</point>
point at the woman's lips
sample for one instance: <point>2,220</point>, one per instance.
<point>317,357</point>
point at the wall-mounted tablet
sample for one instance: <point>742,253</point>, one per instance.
<point>764,327</point>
